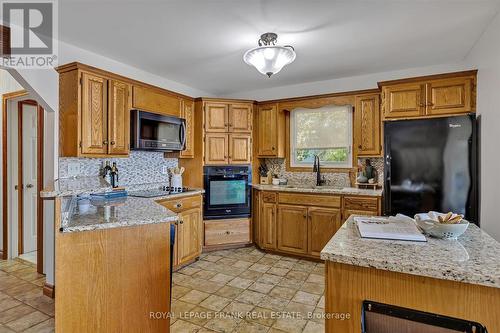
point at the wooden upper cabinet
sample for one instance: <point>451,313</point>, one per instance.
<point>323,224</point>
<point>367,125</point>
<point>449,96</point>
<point>152,100</point>
<point>190,235</point>
<point>240,118</point>
<point>240,147</point>
<point>216,148</point>
<point>267,130</point>
<point>267,226</point>
<point>216,117</point>
<point>119,117</point>
<point>404,100</point>
<point>188,114</point>
<point>292,229</point>
<point>436,95</point>
<point>94,114</point>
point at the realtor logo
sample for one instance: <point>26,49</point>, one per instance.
<point>33,33</point>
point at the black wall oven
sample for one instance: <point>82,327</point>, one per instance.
<point>227,191</point>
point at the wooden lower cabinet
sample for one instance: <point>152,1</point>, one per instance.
<point>292,229</point>
<point>302,224</point>
<point>110,280</point>
<point>227,232</point>
<point>190,237</point>
<point>323,224</point>
<point>267,226</point>
<point>188,229</point>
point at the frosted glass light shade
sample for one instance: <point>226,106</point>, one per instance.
<point>269,60</point>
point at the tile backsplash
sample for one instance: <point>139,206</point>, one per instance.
<point>278,166</point>
<point>140,167</point>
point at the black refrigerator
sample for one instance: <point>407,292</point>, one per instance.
<point>431,164</point>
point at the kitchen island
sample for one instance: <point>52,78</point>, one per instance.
<point>456,278</point>
<point>112,259</point>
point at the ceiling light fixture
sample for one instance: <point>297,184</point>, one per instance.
<point>269,58</point>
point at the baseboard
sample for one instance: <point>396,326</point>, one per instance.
<point>49,290</point>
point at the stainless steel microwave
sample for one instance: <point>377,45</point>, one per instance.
<point>155,132</point>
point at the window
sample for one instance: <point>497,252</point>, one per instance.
<point>326,132</point>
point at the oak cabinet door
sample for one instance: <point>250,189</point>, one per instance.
<point>94,114</point>
<point>216,148</point>
<point>449,96</point>
<point>323,224</point>
<point>267,131</point>
<point>367,125</point>
<point>292,229</point>
<point>403,100</point>
<point>190,235</point>
<point>119,117</point>
<point>240,118</point>
<point>240,147</point>
<point>187,112</point>
<point>267,227</point>
<point>216,117</point>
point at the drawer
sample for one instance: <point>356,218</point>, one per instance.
<point>181,204</point>
<point>361,203</point>
<point>269,197</point>
<point>221,232</point>
<point>310,199</point>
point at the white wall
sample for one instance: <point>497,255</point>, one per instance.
<point>368,81</point>
<point>7,85</point>
<point>485,56</point>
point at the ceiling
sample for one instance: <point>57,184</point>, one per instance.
<point>201,43</point>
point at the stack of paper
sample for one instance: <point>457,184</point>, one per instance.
<point>397,228</point>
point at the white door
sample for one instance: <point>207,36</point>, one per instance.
<point>29,168</point>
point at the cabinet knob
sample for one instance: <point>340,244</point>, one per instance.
<point>105,142</point>
<point>181,222</point>
<point>228,232</point>
<point>274,148</point>
<point>430,104</point>
<point>359,146</point>
<point>305,215</point>
<point>113,143</point>
<point>178,205</point>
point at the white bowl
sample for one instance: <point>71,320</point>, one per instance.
<point>429,223</point>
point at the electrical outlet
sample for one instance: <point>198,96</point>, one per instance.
<point>73,169</point>
<point>164,170</point>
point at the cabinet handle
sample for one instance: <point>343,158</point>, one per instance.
<point>113,143</point>
<point>181,222</point>
<point>105,142</point>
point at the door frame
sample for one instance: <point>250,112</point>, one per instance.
<point>40,133</point>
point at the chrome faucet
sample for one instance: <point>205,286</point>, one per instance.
<point>317,169</point>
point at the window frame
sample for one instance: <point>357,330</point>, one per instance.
<point>293,164</point>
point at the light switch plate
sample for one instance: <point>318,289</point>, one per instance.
<point>164,170</point>
<point>73,169</point>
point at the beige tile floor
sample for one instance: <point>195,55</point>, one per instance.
<point>23,307</point>
<point>242,290</point>
<point>247,290</point>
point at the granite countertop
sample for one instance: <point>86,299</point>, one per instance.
<point>319,189</point>
<point>473,258</point>
<point>122,212</point>
<point>74,186</point>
